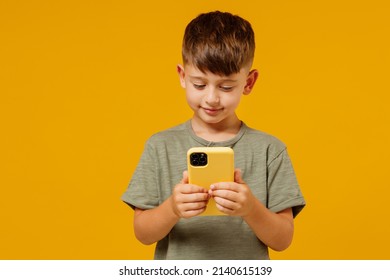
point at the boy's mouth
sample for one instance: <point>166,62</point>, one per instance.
<point>212,111</point>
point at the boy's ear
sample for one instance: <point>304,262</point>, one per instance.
<point>250,81</point>
<point>180,71</point>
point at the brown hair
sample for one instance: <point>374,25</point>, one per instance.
<point>218,42</point>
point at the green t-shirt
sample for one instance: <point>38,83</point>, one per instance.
<point>265,167</point>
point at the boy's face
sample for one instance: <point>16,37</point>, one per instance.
<point>214,98</point>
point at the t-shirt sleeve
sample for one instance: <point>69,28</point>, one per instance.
<point>283,189</point>
<point>142,191</point>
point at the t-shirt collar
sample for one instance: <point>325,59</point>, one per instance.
<point>228,143</point>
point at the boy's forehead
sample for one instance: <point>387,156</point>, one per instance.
<point>194,72</point>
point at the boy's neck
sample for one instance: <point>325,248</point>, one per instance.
<point>217,132</point>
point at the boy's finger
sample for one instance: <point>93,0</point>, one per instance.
<point>194,198</point>
<point>193,213</point>
<point>225,203</point>
<point>226,195</point>
<point>223,186</point>
<point>186,188</point>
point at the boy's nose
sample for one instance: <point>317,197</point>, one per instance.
<point>212,97</point>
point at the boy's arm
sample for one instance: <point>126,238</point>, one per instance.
<point>186,201</point>
<point>154,224</point>
<point>273,229</point>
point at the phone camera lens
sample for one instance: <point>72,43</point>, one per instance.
<point>194,156</point>
<point>198,159</point>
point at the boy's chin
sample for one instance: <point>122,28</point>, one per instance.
<point>211,120</point>
<point>208,119</point>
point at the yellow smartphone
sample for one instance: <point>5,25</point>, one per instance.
<point>210,165</point>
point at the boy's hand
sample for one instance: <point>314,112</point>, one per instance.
<point>188,200</point>
<point>233,198</point>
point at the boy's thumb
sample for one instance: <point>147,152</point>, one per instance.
<point>184,180</point>
<point>238,177</point>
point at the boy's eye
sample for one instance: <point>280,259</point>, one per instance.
<point>199,86</point>
<point>226,88</point>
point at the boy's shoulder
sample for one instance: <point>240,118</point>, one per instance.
<point>264,141</point>
<point>259,136</point>
<point>177,132</point>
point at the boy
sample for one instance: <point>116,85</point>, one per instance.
<point>218,51</point>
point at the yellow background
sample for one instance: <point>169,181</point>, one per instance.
<point>84,83</point>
